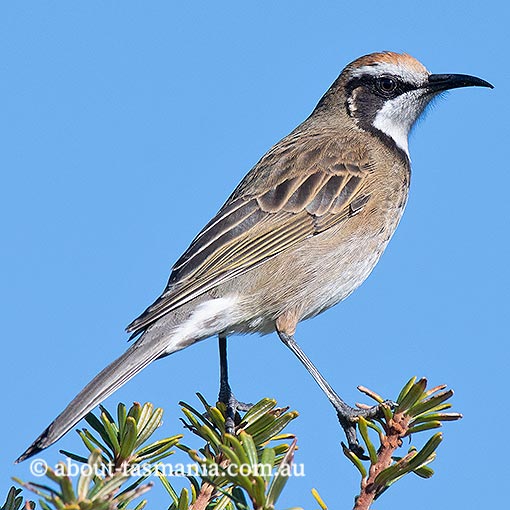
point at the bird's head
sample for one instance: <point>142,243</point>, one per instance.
<point>385,93</point>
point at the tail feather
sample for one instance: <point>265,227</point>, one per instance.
<point>136,358</point>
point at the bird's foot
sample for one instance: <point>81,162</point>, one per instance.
<point>233,405</point>
<point>348,418</point>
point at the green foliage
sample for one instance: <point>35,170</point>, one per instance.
<point>417,410</point>
<point>14,501</point>
<point>251,466</point>
<point>121,442</point>
<point>92,491</point>
<point>246,466</point>
<point>116,455</point>
<point>245,470</point>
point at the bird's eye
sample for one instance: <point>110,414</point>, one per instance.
<point>386,84</point>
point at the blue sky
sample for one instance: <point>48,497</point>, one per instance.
<point>124,127</point>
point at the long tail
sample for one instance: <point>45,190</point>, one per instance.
<point>137,357</point>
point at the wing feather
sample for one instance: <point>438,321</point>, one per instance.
<point>322,201</point>
<point>317,188</point>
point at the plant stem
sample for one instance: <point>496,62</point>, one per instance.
<point>396,430</point>
<point>206,494</point>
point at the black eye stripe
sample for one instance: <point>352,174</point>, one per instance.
<point>373,84</point>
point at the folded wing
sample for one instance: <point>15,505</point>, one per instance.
<point>307,191</point>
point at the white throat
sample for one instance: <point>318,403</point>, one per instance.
<point>396,130</point>
<point>397,116</point>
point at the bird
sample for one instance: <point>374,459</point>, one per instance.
<point>303,229</point>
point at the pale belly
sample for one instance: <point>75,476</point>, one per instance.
<point>318,274</point>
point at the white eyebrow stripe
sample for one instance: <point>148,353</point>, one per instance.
<point>403,72</point>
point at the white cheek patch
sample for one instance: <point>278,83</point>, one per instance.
<point>396,118</point>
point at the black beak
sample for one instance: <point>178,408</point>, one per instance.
<point>440,82</point>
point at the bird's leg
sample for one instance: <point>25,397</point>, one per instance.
<point>226,396</point>
<point>347,415</point>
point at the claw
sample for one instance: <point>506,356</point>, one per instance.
<point>233,407</point>
<point>348,417</point>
